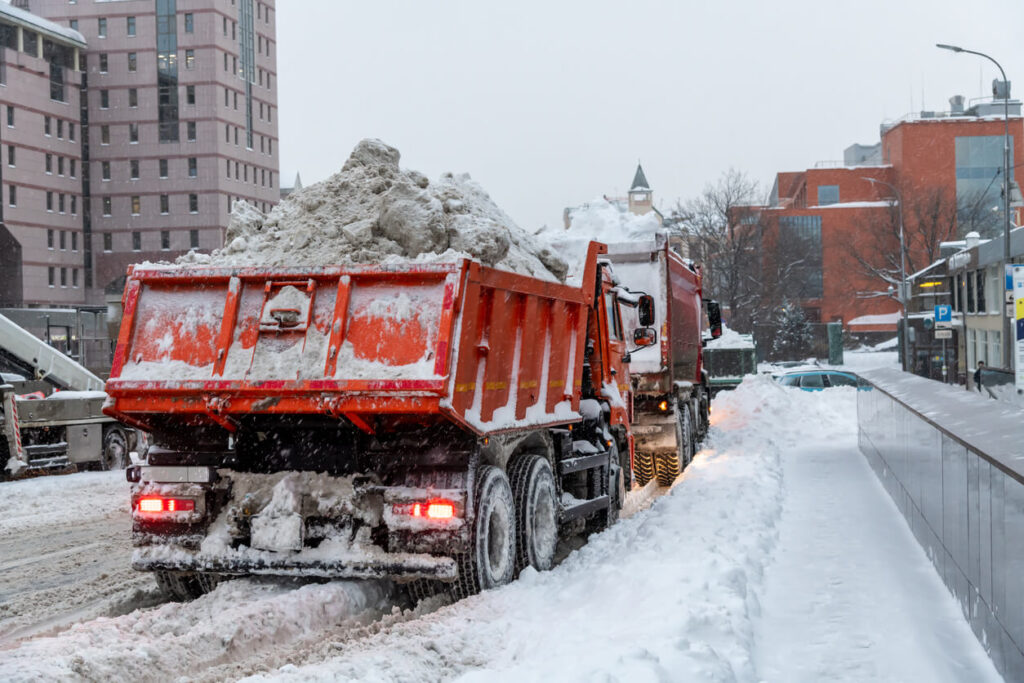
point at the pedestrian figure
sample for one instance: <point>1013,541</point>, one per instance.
<point>977,374</point>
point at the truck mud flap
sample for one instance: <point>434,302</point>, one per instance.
<point>655,434</point>
<point>406,567</point>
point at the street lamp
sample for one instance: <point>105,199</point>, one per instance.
<point>903,275</point>
<point>1007,323</point>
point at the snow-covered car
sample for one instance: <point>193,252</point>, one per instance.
<point>817,380</point>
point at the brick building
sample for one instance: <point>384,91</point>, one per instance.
<point>42,245</point>
<point>941,172</point>
<point>179,120</point>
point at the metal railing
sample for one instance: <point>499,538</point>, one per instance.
<point>950,460</point>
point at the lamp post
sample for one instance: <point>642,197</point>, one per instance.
<point>905,360</point>
<point>1007,323</point>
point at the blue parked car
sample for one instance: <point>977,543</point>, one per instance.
<point>817,380</point>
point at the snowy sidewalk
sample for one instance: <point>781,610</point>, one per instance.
<point>850,594</point>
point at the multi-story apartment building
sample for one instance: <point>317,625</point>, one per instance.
<point>43,246</point>
<point>179,121</point>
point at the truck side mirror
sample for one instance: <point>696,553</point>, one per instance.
<point>715,319</point>
<point>645,310</point>
<point>645,336</point>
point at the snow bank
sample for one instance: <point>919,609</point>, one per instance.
<point>372,211</point>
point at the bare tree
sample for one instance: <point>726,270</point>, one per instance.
<point>721,228</point>
<point>929,218</point>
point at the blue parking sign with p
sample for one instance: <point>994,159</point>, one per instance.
<point>943,313</point>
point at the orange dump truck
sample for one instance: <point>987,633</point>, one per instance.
<point>447,422</point>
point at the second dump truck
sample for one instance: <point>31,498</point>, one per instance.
<point>670,387</point>
<point>444,422</point>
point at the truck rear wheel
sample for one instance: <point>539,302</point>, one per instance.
<point>533,489</point>
<point>671,464</point>
<point>185,586</point>
<point>491,560</point>
<point>644,468</point>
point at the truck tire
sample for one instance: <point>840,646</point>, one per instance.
<point>616,485</point>
<point>114,455</point>
<point>491,560</point>
<point>670,465</point>
<point>185,586</point>
<point>533,490</point>
<point>643,468</point>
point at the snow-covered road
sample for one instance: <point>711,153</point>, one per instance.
<point>776,557</point>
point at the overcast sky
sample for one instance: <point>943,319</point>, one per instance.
<point>550,104</point>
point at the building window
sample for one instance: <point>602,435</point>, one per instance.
<point>165,204</point>
<point>12,195</point>
<point>133,97</point>
<point>71,167</point>
<point>236,136</point>
<point>979,169</point>
<point>104,99</point>
<point>190,94</point>
<point>60,203</point>
<point>46,126</point>
<point>130,25</point>
<point>133,169</point>
<point>136,241</point>
<point>227,97</point>
<point>108,241</point>
<point>10,155</point>
<point>103,63</point>
<point>828,194</point>
<point>190,24</point>
<point>227,132</point>
<point>167,70</point>
<point>60,129</point>
<point>63,277</point>
<point>190,131</point>
<point>165,239</point>
<point>71,132</point>
<point>235,98</point>
<point>190,59</point>
<point>193,203</point>
<point>193,239</point>
<point>225,58</point>
<point>136,205</point>
<point>60,166</point>
<point>163,168</point>
<point>133,132</point>
<point>63,240</point>
<point>49,201</point>
<point>104,135</point>
<point>193,167</point>
<point>106,206</point>
<point>101,27</point>
<point>10,116</point>
<point>49,239</point>
<point>74,205</point>
<point>105,170</point>
<point>227,164</point>
<point>73,24</point>
<point>49,164</point>
<point>50,275</point>
<point>74,278</point>
<point>133,61</point>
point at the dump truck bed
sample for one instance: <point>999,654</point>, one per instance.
<point>488,349</point>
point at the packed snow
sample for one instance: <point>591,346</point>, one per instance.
<point>373,211</point>
<point>731,339</point>
<point>777,556</point>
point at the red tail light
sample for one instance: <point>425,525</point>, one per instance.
<point>155,505</point>
<point>432,509</point>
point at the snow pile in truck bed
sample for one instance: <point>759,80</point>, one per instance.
<point>598,220</point>
<point>373,211</point>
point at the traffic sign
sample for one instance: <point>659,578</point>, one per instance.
<point>943,334</point>
<point>943,313</point>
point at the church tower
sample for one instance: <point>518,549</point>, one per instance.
<point>641,199</point>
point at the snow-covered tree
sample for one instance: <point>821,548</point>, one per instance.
<point>793,335</point>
